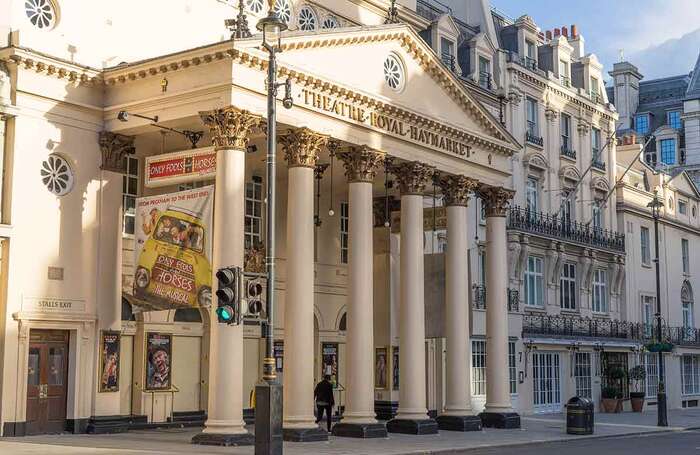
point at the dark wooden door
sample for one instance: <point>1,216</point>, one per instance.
<point>47,381</point>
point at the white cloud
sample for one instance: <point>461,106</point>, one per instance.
<point>670,58</point>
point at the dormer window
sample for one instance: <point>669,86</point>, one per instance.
<point>447,54</point>
<point>641,124</point>
<point>668,151</point>
<point>564,73</point>
<point>674,119</point>
<point>530,55</point>
<point>484,73</point>
<point>595,95</point>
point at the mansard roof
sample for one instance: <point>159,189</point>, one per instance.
<point>694,85</point>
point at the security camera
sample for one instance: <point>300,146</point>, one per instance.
<point>123,116</point>
<point>288,102</point>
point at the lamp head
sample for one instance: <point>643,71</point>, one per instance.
<point>123,116</point>
<point>271,27</point>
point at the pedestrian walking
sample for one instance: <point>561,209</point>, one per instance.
<point>323,394</point>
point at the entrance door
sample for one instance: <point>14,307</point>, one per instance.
<point>187,355</point>
<point>546,380</point>
<point>47,381</point>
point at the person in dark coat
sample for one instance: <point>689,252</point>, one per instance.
<point>323,394</point>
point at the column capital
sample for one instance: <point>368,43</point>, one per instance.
<point>413,176</point>
<point>456,189</point>
<point>114,148</point>
<point>229,126</point>
<point>496,200</point>
<point>361,163</point>
<point>301,147</point>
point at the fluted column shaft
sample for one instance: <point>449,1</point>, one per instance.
<point>301,149</point>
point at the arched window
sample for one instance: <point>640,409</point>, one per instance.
<point>188,315</point>
<point>127,311</point>
<point>687,304</point>
<point>343,325</point>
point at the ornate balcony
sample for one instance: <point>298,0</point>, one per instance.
<point>557,326</point>
<point>567,152</point>
<point>479,299</point>
<point>600,165</point>
<point>533,139</point>
<point>551,226</point>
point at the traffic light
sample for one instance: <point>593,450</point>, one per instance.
<point>254,305</point>
<point>228,295</point>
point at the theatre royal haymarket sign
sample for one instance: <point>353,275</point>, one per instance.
<point>386,123</point>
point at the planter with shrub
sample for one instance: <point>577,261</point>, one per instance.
<point>637,375</point>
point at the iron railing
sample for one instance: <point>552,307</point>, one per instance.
<point>534,139</point>
<point>553,226</point>
<point>479,299</point>
<point>565,81</point>
<point>603,328</point>
<point>449,60</point>
<point>567,152</point>
<point>485,80</point>
<point>599,165</point>
<point>596,98</point>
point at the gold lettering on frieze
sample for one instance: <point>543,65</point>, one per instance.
<point>391,125</point>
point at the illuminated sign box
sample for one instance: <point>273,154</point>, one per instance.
<point>180,167</point>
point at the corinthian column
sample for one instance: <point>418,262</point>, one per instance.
<point>498,412</point>
<point>229,129</point>
<point>359,418</point>
<point>412,416</point>
<point>301,149</point>
<point>458,415</point>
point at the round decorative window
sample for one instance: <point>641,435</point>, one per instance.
<point>57,175</point>
<point>283,10</point>
<point>307,19</point>
<point>41,13</point>
<point>330,22</point>
<point>394,73</point>
<point>255,6</point>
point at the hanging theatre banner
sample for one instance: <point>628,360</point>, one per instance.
<point>173,250</point>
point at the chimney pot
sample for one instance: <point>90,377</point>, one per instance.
<point>557,32</point>
<point>565,31</point>
<point>574,31</point>
<point>549,35</point>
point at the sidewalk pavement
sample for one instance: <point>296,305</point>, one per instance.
<point>536,429</point>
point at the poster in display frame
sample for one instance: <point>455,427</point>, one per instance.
<point>329,353</point>
<point>158,361</point>
<point>110,353</point>
<point>381,367</point>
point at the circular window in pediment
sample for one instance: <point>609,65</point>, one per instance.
<point>256,6</point>
<point>41,13</point>
<point>57,175</point>
<point>307,19</point>
<point>283,10</point>
<point>394,73</point>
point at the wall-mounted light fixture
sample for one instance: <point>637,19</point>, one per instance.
<point>192,136</point>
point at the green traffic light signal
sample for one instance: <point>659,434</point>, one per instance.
<point>225,313</point>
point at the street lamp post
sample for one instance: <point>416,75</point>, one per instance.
<point>662,417</point>
<point>268,392</point>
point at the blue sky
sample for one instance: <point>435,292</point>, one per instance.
<point>661,37</point>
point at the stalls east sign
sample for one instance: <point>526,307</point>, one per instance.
<point>180,167</point>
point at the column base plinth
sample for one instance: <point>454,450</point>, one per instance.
<point>304,434</point>
<point>360,430</point>
<point>223,439</point>
<point>501,420</point>
<point>459,423</point>
<point>412,426</point>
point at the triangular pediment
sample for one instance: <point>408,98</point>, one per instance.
<point>684,184</point>
<point>356,60</point>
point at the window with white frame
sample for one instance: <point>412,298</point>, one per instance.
<point>597,215</point>
<point>482,268</point>
<point>651,366</point>
<point>534,282</point>
<point>344,237</point>
<point>532,196</point>
<point>582,374</point>
<point>646,248</point>
<point>690,374</point>
<point>130,190</point>
<point>594,89</point>
<point>567,284</point>
<point>484,73</point>
<point>600,291</point>
<point>595,146</point>
<point>685,255</point>
<point>531,106</point>
<point>648,305</point>
<point>567,206</point>
<point>564,73</point>
<point>682,207</point>
<point>565,127</point>
<point>478,367</point>
<point>512,368</point>
<point>530,54</point>
<point>253,213</point>
<point>447,53</point>
<point>687,308</point>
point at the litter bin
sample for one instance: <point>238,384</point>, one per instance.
<point>579,416</point>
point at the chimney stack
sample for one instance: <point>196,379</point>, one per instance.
<point>565,32</point>
<point>574,31</point>
<point>557,32</point>
<point>549,35</point>
<point>541,35</point>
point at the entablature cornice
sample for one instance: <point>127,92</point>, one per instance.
<point>50,66</point>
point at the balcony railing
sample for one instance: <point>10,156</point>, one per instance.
<point>565,81</point>
<point>553,226</point>
<point>485,80</point>
<point>534,139</point>
<point>579,327</point>
<point>596,98</point>
<point>479,299</point>
<point>597,164</point>
<point>567,152</point>
<point>449,60</point>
